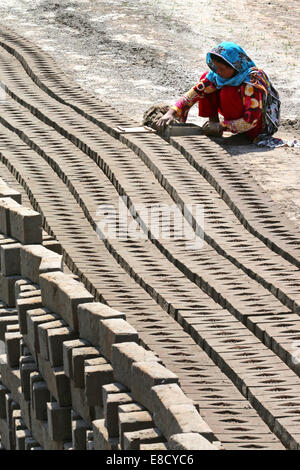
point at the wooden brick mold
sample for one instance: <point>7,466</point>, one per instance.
<point>74,375</point>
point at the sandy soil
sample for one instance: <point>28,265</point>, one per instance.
<point>132,54</point>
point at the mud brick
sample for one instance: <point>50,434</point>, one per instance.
<point>59,422</point>
<point>185,418</point>
<point>43,335</point>
<point>79,403</point>
<point>24,285</point>
<point>133,421</point>
<point>27,304</point>
<point>53,245</point>
<point>21,435</point>
<point>7,289</point>
<point>10,406</point>
<point>110,410</point>
<point>133,440</point>
<point>78,357</point>
<point>40,397</point>
<point>25,224</point>
<point>189,441</point>
<point>124,355</point>
<point>26,368</point>
<point>6,204</point>
<point>62,294</point>
<point>57,381</point>
<point>12,346</point>
<point>182,129</point>
<point>95,361</point>
<point>35,376</point>
<point>36,260</point>
<point>102,441</point>
<point>33,320</point>
<point>39,430</point>
<point>7,191</point>
<point>89,317</point>
<point>115,331</point>
<point>130,407</point>
<point>94,378</point>
<point>68,347</point>
<point>113,388</point>
<point>56,337</point>
<point>3,392</point>
<point>144,376</point>
<point>28,294</point>
<point>12,328</point>
<point>10,259</point>
<point>5,321</point>
<point>174,413</point>
<point>79,429</point>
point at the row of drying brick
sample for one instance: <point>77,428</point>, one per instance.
<point>47,322</point>
<point>218,170</point>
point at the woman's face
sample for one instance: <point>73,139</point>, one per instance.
<point>225,71</point>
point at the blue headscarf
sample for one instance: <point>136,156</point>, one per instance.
<point>237,58</point>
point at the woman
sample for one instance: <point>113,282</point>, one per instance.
<point>235,88</point>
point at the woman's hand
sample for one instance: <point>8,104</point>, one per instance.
<point>214,129</point>
<point>167,118</point>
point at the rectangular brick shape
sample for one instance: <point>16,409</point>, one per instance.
<point>89,317</point>
<point>7,320</point>
<point>124,355</point>
<point>59,422</point>
<point>189,441</point>
<point>94,378</point>
<point>56,337</point>
<point>36,260</point>
<point>57,382</point>
<point>40,398</point>
<point>146,375</point>
<point>62,295</point>
<point>68,346</point>
<point>7,191</point>
<point>133,421</point>
<point>102,441</point>
<point>79,430</point>
<point>6,204</point>
<point>25,225</point>
<point>7,289</point>
<point>27,304</point>
<point>43,335</point>
<point>33,320</point>
<point>10,259</point>
<point>133,440</point>
<point>115,331</point>
<point>78,357</point>
<point>26,368</point>
<point>174,413</point>
<point>110,410</point>
<point>12,346</point>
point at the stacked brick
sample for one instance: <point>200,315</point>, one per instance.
<point>74,376</point>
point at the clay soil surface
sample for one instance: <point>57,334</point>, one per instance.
<point>132,54</point>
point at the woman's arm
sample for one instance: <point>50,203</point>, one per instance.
<point>181,108</point>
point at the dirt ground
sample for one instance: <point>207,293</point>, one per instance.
<point>132,54</point>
